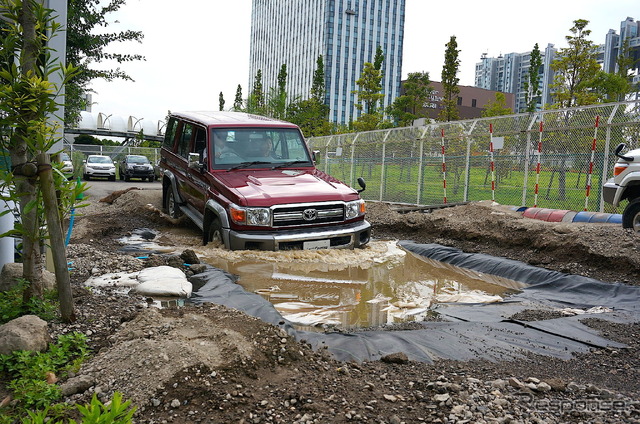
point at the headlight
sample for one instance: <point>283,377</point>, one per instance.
<point>251,216</point>
<point>354,209</point>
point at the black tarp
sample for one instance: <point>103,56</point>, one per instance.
<point>473,331</point>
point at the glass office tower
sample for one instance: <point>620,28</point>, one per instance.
<point>346,33</point>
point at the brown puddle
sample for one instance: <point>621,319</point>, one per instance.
<point>378,285</point>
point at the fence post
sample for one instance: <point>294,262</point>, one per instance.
<point>384,164</point>
<point>421,165</point>
<point>326,155</point>
<point>352,171</point>
<point>539,156</point>
<point>527,158</point>
<point>444,168</point>
<point>590,172</point>
<point>605,158</point>
<point>467,167</point>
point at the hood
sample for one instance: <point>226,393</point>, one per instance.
<point>251,187</point>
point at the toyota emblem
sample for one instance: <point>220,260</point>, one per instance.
<point>310,214</point>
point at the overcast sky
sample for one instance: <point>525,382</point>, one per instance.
<point>196,49</point>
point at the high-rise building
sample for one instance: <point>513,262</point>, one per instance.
<point>509,72</point>
<point>346,33</point>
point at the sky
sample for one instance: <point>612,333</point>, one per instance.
<point>195,49</point>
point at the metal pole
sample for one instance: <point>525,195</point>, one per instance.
<point>605,159</point>
<point>468,162</point>
<point>384,162</point>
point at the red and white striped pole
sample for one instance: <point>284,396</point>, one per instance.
<point>593,152</point>
<point>493,168</point>
<point>538,153</point>
<point>444,169</point>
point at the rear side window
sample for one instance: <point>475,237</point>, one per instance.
<point>170,134</point>
<point>184,142</point>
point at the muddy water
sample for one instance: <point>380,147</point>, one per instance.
<point>378,285</point>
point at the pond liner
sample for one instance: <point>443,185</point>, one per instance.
<point>472,331</point>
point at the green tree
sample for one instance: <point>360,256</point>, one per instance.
<point>237,103</point>
<point>609,87</point>
<point>370,83</point>
<point>318,85</point>
<point>221,101</point>
<point>497,107</point>
<point>574,68</point>
<point>532,89</point>
<point>87,43</point>
<point>256,100</point>
<point>410,106</point>
<point>312,115</point>
<point>277,101</point>
<point>450,82</point>
<point>378,59</point>
<point>27,99</point>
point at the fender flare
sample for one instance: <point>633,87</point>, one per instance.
<point>630,180</point>
<point>213,208</point>
<point>171,181</point>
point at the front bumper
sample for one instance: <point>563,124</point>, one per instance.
<point>101,172</point>
<point>612,192</point>
<point>140,173</point>
<point>347,236</point>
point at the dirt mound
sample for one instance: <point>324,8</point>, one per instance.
<point>212,364</point>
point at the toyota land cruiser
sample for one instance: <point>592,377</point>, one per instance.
<point>250,182</point>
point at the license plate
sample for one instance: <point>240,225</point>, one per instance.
<point>316,244</point>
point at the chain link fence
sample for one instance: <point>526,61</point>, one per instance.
<point>555,159</point>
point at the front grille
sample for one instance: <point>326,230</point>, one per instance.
<point>308,214</point>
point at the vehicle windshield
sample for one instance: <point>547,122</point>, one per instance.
<point>64,157</point>
<point>237,148</point>
<point>99,159</point>
<point>138,159</point>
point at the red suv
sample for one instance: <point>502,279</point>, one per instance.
<point>250,182</point>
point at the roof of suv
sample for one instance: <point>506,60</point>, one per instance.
<point>231,118</point>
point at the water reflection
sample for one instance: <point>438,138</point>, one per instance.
<point>369,287</point>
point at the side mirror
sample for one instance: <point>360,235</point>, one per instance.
<point>362,184</point>
<point>194,160</point>
<point>314,154</point>
<point>619,148</point>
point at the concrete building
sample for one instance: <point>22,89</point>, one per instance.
<point>508,73</point>
<point>346,33</point>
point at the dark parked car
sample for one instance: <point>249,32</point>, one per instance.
<point>136,166</point>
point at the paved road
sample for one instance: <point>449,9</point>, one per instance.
<point>101,188</point>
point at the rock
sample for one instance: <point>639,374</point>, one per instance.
<point>78,384</point>
<point>189,257</point>
<point>395,358</point>
<point>25,333</point>
<point>12,271</point>
<point>442,398</point>
<point>198,268</point>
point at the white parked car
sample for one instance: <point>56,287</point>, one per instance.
<point>67,165</point>
<point>99,166</point>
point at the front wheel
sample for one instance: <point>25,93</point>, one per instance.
<point>214,234</point>
<point>631,215</point>
<point>171,205</point>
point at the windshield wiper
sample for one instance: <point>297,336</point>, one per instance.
<point>293,162</point>
<point>248,164</point>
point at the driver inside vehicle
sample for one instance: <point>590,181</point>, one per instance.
<point>222,150</point>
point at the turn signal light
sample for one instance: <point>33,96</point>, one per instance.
<point>619,168</point>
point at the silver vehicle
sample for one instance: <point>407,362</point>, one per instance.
<point>99,166</point>
<point>625,185</point>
